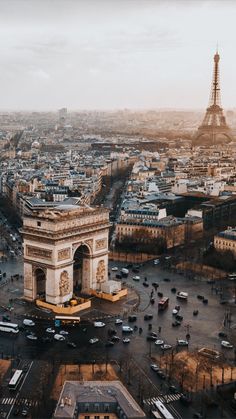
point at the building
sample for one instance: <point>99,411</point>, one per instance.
<point>96,400</point>
<point>226,240</point>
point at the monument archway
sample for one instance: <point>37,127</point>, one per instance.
<point>70,245</point>
<point>81,266</point>
<point>40,282</point>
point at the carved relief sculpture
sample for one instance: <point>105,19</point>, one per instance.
<point>101,244</point>
<point>63,254</point>
<point>64,284</point>
<point>38,252</point>
<point>101,270</point>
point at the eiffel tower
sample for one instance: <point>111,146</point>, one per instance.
<point>214,125</point>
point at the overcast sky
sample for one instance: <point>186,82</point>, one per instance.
<point>109,54</point>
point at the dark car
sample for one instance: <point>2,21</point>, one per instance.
<point>161,374</point>
<point>152,300</point>
<point>179,317</point>
<point>115,338</point>
<point>222,335</point>
<point>109,344</point>
<point>135,270</point>
<point>166,279</point>
<point>184,399</point>
<point>145,284</point>
<point>148,316</point>
<point>176,323</point>
<point>6,318</point>
<point>195,312</point>
<point>173,389</point>
<point>132,318</point>
<point>200,297</point>
<point>155,285</point>
<point>160,294</point>
<point>173,290</point>
<point>205,301</point>
<point>154,334</point>
<point>151,338</point>
<point>118,276</point>
<point>71,344</point>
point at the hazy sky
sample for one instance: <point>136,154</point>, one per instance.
<point>106,54</point>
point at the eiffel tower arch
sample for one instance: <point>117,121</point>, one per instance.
<point>214,128</point>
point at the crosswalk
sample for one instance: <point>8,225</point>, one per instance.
<point>18,402</point>
<point>167,398</point>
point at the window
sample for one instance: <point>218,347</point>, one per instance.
<point>96,417</point>
<point>39,223</point>
<point>106,417</point>
<point>87,417</point>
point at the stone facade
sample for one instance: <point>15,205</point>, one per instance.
<point>51,239</point>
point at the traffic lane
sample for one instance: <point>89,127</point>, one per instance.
<point>203,328</point>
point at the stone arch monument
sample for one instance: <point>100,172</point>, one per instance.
<point>65,248</point>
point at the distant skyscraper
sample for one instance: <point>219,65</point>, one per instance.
<point>214,125</point>
<point>62,113</point>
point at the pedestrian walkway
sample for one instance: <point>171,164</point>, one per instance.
<point>18,402</point>
<point>167,398</point>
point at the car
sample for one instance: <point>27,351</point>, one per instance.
<point>195,312</point>
<point>145,284</point>
<point>154,367</point>
<point>50,330</point>
<point>136,278</point>
<point>6,318</point>
<point>154,334</point>
<point>118,321</point>
<point>114,268</point>
<point>71,344</point>
<point>28,322</point>
<point>223,302</point>
<point>166,346</point>
<point>115,338</point>
<point>93,340</point>
<point>152,300</point>
<point>161,374</point>
<point>109,344</point>
<point>31,337</point>
<point>99,324</point>
<point>173,389</point>
<point>156,261</point>
<point>159,342</point>
<point>148,316</point>
<point>155,285</point>
<point>222,335</point>
<point>59,337</point>
<point>127,329</point>
<point>184,399</point>
<point>174,311</point>
<point>173,290</point>
<point>126,340</point>
<point>166,279</point>
<point>200,297</point>
<point>176,323</point>
<point>25,411</point>
<point>179,317</point>
<point>205,301</point>
<point>151,338</point>
<point>118,276</point>
<point>197,415</point>
<point>132,318</point>
<point>160,294</point>
<point>135,270</point>
<point>226,344</point>
<point>182,342</point>
<point>63,332</point>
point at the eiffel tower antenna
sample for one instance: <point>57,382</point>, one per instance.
<point>214,123</point>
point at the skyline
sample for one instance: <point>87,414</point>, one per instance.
<point>115,55</point>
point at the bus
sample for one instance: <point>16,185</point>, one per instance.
<point>15,379</point>
<point>163,304</point>
<point>163,410</point>
<point>66,320</point>
<point>9,327</point>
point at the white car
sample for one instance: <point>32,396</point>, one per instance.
<point>63,332</point>
<point>165,347</point>
<point>174,311</point>
<point>50,330</point>
<point>126,340</point>
<point>99,324</point>
<point>32,337</point>
<point>182,342</point>
<point>156,262</point>
<point>28,322</point>
<point>93,340</point>
<point>154,367</point>
<point>127,329</point>
<point>114,268</point>
<point>159,342</point>
<point>136,278</point>
<point>59,337</point>
<point>118,321</point>
<point>226,344</point>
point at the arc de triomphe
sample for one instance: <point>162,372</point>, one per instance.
<point>65,249</point>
